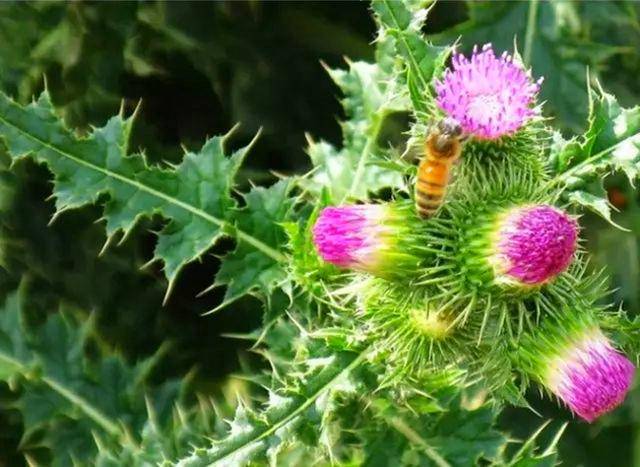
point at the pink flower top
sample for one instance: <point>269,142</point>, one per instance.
<point>489,96</point>
<point>352,236</point>
<point>591,377</point>
<point>533,244</point>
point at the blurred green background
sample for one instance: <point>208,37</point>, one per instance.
<point>201,67</point>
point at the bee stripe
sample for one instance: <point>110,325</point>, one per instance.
<point>429,197</point>
<point>423,207</point>
<point>425,187</point>
<point>423,212</point>
<point>428,205</point>
<point>434,172</point>
<point>429,184</point>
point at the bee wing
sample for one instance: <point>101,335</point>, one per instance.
<point>414,150</point>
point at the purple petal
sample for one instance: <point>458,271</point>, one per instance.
<point>535,244</point>
<point>489,96</point>
<point>592,378</point>
<point>351,236</point>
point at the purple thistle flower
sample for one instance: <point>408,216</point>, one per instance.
<point>361,237</point>
<point>489,96</point>
<point>590,376</point>
<point>533,244</point>
<point>349,236</point>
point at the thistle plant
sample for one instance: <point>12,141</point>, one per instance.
<point>390,338</point>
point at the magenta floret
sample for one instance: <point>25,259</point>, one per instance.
<point>351,236</point>
<point>592,378</point>
<point>535,244</point>
<point>489,96</point>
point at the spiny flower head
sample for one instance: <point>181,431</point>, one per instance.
<point>590,376</point>
<point>489,96</point>
<point>533,244</point>
<point>367,237</point>
<point>412,331</point>
<point>570,356</point>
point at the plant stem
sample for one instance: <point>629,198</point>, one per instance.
<point>531,31</point>
<point>364,155</point>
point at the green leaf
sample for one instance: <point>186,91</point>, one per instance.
<point>58,386</point>
<point>449,436</point>
<point>81,404</point>
<point>68,46</point>
<point>462,437</point>
<point>252,435</point>
<point>195,197</point>
<point>422,60</point>
<point>13,348</point>
<point>350,172</point>
<point>610,144</point>
<point>598,204</point>
<point>529,456</point>
<point>248,269</point>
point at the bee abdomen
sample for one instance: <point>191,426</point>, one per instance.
<point>428,203</point>
<point>430,186</point>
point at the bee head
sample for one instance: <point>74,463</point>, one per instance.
<point>449,127</point>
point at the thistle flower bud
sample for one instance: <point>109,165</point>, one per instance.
<point>533,244</point>
<point>489,96</point>
<point>370,238</point>
<point>413,331</point>
<point>433,324</point>
<point>580,366</point>
<point>522,246</point>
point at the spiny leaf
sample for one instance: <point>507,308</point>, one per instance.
<point>369,97</point>
<point>597,203</point>
<point>195,197</point>
<point>79,406</point>
<point>451,436</point>
<point>247,269</point>
<point>253,434</point>
<point>161,442</point>
<point>13,348</point>
<point>529,456</point>
<point>610,144</point>
<point>462,437</point>
<point>59,385</point>
<point>422,60</point>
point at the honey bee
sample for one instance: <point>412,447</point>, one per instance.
<point>441,149</point>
